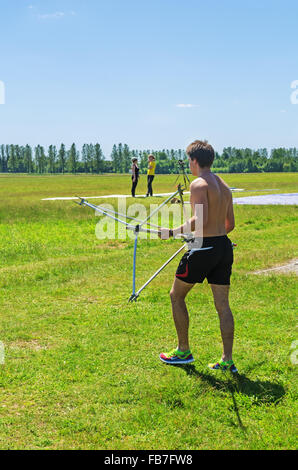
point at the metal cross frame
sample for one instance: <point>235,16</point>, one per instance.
<point>137,229</point>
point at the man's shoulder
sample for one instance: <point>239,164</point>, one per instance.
<point>199,183</point>
<point>220,180</point>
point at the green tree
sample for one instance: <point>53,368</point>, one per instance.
<point>62,159</point>
<point>98,159</point>
<point>28,162</point>
<point>52,157</point>
<point>87,162</point>
<point>73,158</point>
<point>3,159</point>
<point>115,159</point>
<point>126,159</point>
<point>12,160</point>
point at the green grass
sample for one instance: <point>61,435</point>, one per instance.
<point>81,368</point>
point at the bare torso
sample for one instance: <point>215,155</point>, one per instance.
<point>216,197</point>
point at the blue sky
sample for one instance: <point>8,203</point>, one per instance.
<point>113,71</point>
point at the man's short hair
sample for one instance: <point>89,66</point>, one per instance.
<point>202,152</point>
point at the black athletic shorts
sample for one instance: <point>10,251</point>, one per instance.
<point>214,264</point>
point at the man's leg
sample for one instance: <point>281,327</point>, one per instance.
<point>178,293</point>
<point>221,301</point>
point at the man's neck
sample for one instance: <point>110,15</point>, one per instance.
<point>204,172</point>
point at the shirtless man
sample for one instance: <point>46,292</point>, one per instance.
<point>215,263</point>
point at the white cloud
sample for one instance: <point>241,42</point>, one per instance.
<point>187,105</point>
<point>49,16</point>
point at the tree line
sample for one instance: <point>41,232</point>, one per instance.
<point>91,160</point>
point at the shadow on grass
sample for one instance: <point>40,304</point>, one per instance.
<point>253,393</point>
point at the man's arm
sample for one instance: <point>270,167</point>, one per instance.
<point>230,219</point>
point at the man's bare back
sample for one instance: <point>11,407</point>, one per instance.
<point>214,194</point>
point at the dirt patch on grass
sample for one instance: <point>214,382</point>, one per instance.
<point>289,268</point>
<point>33,345</point>
<point>113,245</point>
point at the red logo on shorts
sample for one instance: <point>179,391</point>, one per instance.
<point>185,274</point>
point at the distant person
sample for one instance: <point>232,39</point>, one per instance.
<point>150,174</point>
<point>214,263</point>
<point>135,176</point>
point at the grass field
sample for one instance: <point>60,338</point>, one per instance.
<point>81,365</point>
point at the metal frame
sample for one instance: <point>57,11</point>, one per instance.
<point>139,228</point>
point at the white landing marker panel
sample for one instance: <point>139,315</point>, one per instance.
<point>118,196</point>
<point>109,196</point>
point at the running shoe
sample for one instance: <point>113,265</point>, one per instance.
<point>177,357</point>
<point>224,365</point>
